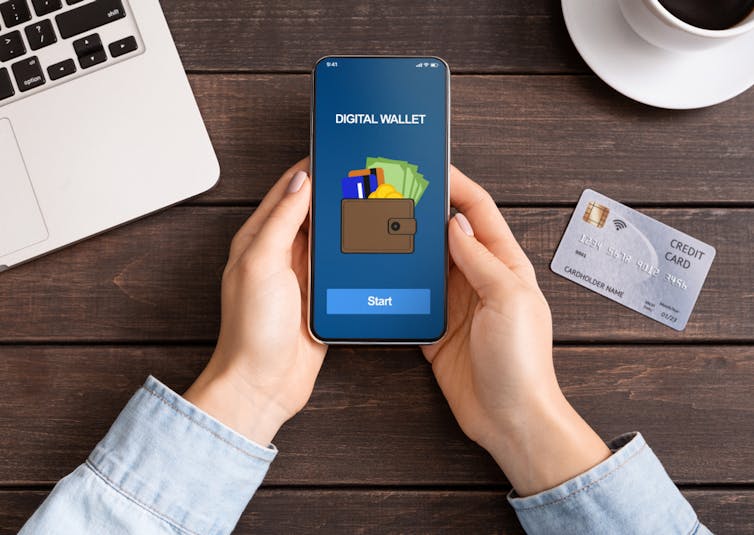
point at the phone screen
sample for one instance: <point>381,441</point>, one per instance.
<point>380,134</point>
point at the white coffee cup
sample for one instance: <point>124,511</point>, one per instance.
<point>658,26</point>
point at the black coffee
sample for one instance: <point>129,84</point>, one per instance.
<point>710,14</point>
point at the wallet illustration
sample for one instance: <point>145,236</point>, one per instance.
<point>377,226</point>
<point>377,209</point>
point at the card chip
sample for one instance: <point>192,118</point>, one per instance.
<point>596,214</point>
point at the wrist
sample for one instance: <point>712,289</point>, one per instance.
<point>248,412</point>
<point>546,444</point>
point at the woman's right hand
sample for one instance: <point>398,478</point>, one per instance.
<point>495,364</point>
<point>264,366</point>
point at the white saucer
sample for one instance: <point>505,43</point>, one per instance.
<point>652,75</point>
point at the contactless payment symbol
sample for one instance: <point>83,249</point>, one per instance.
<point>377,209</point>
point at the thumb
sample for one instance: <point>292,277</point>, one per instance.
<point>485,272</point>
<point>285,219</point>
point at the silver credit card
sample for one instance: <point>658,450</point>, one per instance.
<point>633,259</point>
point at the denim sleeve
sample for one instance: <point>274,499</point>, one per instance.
<point>629,492</point>
<point>164,467</point>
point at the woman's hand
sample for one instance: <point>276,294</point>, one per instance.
<point>264,366</point>
<point>495,364</point>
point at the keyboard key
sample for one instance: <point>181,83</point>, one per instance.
<point>6,87</point>
<point>28,74</point>
<point>45,7</point>
<point>15,12</point>
<point>124,46</point>
<point>87,45</point>
<point>11,46</point>
<point>89,16</point>
<point>89,50</point>
<point>95,58</point>
<point>62,69</point>
<point>41,34</point>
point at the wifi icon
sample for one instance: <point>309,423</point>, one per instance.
<point>619,224</point>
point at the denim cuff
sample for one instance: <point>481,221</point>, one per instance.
<point>629,492</point>
<point>179,463</point>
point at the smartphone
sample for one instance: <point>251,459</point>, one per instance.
<point>380,158</point>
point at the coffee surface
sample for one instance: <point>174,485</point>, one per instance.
<point>710,14</point>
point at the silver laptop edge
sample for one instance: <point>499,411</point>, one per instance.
<point>88,154</point>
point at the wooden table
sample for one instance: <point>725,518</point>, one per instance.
<point>377,449</point>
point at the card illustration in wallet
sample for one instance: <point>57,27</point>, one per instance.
<point>377,226</point>
<point>359,186</point>
<point>376,171</point>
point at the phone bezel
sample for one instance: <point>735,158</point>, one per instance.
<point>310,318</point>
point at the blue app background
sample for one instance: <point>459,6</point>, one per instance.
<point>375,86</point>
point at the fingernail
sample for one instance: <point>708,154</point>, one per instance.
<point>464,224</point>
<point>296,182</point>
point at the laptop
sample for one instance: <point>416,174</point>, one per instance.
<point>98,124</point>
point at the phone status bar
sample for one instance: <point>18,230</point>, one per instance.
<point>412,62</point>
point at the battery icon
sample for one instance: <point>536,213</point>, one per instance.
<point>433,65</point>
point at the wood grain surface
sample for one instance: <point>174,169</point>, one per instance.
<point>289,36</point>
<point>527,139</point>
<point>159,280</point>
<point>377,417</point>
<point>346,512</point>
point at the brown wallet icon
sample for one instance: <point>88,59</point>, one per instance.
<point>377,226</point>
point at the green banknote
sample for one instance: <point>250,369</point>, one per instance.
<point>402,175</point>
<point>395,171</point>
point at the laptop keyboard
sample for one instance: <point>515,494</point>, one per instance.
<point>44,43</point>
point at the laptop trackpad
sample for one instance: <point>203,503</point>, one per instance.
<point>21,222</point>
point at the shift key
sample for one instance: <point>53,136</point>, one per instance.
<point>88,17</point>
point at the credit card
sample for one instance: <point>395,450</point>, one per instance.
<point>377,171</point>
<point>358,187</point>
<point>633,259</point>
